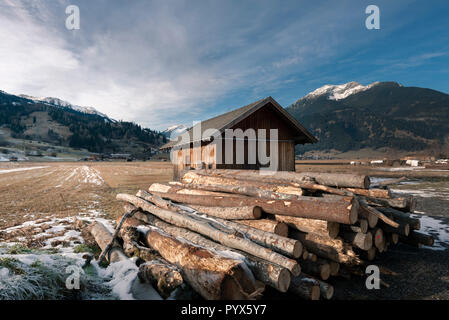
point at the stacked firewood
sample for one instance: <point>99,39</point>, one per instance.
<point>227,234</point>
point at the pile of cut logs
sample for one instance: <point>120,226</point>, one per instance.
<point>226,234</point>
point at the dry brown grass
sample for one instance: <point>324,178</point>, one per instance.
<point>67,189</point>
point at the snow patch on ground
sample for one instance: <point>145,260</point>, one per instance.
<point>437,228</point>
<point>21,169</point>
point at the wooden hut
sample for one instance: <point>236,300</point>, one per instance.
<point>208,145</point>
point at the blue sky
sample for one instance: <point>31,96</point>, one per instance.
<point>161,63</point>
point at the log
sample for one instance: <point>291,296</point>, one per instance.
<point>230,213</point>
<point>305,253</point>
<point>267,225</point>
<point>403,229</point>
<point>193,177</point>
<point>360,226</point>
<point>334,267</point>
<point>203,226</point>
<point>179,189</point>
<point>389,182</point>
<point>241,190</point>
<point>326,289</point>
<point>325,247</point>
<point>165,277</point>
<point>365,214</point>
<point>416,237</point>
<point>369,255</point>
<point>282,245</point>
<point>312,257</point>
<point>267,272</point>
<point>305,287</point>
<point>322,227</point>
<point>379,239</point>
<point>213,276</point>
<point>327,179</point>
<point>363,241</point>
<point>320,268</point>
<point>342,209</point>
<point>399,216</point>
<point>378,214</point>
<point>103,238</point>
<point>398,203</point>
<point>375,193</point>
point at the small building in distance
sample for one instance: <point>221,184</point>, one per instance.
<point>207,149</point>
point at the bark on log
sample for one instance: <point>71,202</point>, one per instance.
<point>377,213</point>
<point>332,249</point>
<point>319,269</point>
<point>230,213</point>
<point>368,216</point>
<point>389,182</point>
<point>326,289</point>
<point>282,245</point>
<point>166,278</point>
<point>242,190</point>
<point>103,237</point>
<point>403,229</point>
<point>203,226</point>
<point>375,193</point>
<point>362,241</point>
<point>398,203</point>
<point>276,227</point>
<point>330,229</point>
<point>360,226</point>
<point>201,179</point>
<point>327,179</point>
<point>342,209</point>
<point>305,287</point>
<point>180,189</point>
<point>269,273</point>
<point>399,216</point>
<point>213,276</point>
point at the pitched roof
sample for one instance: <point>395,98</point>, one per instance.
<point>228,119</point>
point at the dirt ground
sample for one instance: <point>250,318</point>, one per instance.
<point>29,191</point>
<point>43,191</point>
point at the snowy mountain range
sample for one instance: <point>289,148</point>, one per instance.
<point>174,131</point>
<point>64,104</point>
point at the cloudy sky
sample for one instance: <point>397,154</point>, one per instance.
<point>161,63</point>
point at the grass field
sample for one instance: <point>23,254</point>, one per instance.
<point>30,191</point>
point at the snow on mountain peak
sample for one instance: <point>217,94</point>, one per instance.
<point>339,92</point>
<point>64,104</point>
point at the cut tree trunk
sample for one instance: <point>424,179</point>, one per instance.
<point>362,241</point>
<point>368,216</point>
<point>399,216</point>
<point>305,287</point>
<point>342,209</point>
<point>269,273</point>
<point>360,226</point>
<point>327,179</point>
<point>103,237</point>
<point>375,193</point>
<point>319,269</point>
<point>201,179</point>
<point>230,213</point>
<point>325,247</point>
<point>377,213</point>
<point>379,239</point>
<point>389,182</point>
<point>326,289</point>
<point>403,229</point>
<point>180,189</point>
<point>282,245</point>
<point>322,227</point>
<point>165,277</point>
<point>204,226</point>
<point>213,276</point>
<point>276,227</point>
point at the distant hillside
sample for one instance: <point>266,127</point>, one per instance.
<point>60,123</point>
<point>384,114</point>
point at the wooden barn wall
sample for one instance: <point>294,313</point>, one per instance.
<point>265,118</point>
<point>208,153</point>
